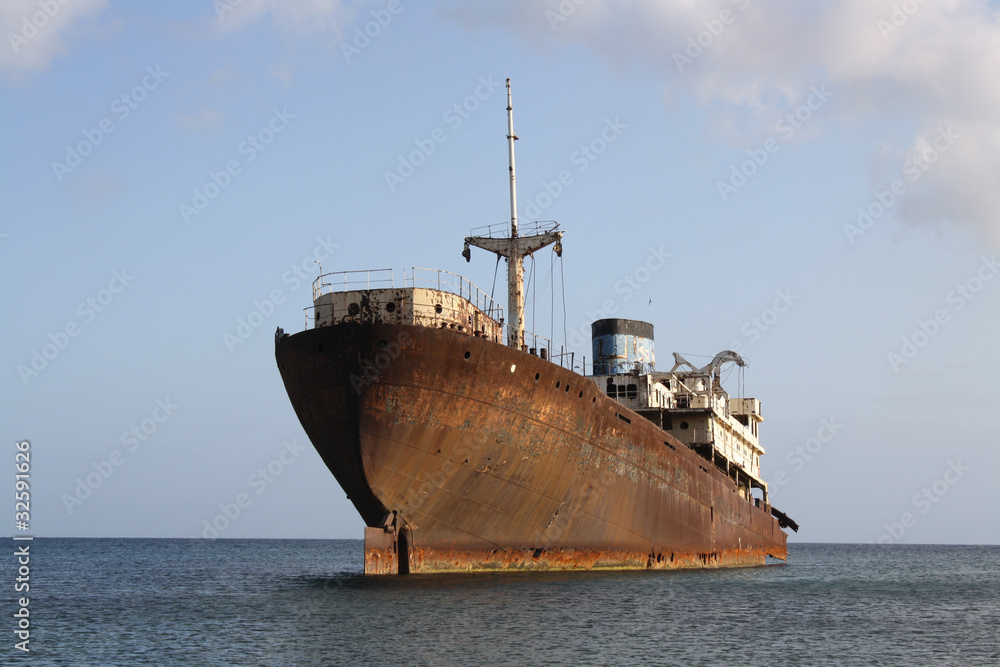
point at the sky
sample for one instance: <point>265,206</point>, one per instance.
<point>814,185</point>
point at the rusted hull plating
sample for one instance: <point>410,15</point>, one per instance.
<point>565,558</point>
<point>464,454</point>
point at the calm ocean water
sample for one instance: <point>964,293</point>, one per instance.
<point>304,602</point>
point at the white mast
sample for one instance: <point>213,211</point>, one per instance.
<point>511,138</point>
<point>515,261</point>
<point>515,248</point>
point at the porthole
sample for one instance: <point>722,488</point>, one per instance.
<point>438,309</point>
<point>558,383</point>
<point>390,307</point>
<point>567,388</point>
<point>468,354</point>
<point>581,394</point>
<point>513,367</point>
<point>353,309</point>
<point>537,375</point>
<point>684,426</point>
<point>382,344</point>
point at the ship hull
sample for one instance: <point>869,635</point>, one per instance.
<point>461,453</point>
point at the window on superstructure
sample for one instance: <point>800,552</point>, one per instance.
<point>632,391</point>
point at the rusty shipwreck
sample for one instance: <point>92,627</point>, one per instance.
<point>466,444</point>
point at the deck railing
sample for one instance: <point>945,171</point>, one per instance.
<point>501,230</point>
<point>445,281</point>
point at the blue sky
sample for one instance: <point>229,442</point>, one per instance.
<point>822,176</point>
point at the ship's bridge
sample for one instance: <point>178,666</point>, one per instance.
<point>687,402</point>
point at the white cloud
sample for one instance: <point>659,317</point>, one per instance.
<point>308,16</point>
<point>200,120</point>
<point>921,64</point>
<point>37,31</point>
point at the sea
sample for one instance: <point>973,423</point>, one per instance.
<point>306,602</point>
